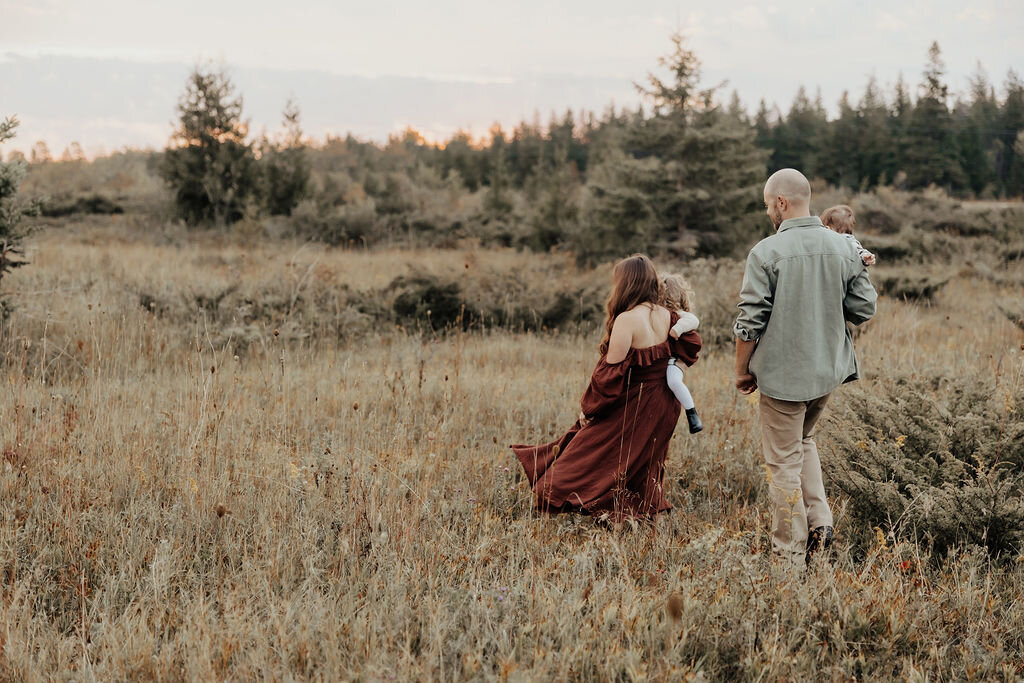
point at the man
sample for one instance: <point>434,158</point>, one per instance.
<point>800,287</point>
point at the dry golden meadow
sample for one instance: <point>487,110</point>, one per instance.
<point>192,498</point>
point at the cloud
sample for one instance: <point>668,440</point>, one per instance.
<point>890,22</point>
<point>985,16</point>
<point>749,17</point>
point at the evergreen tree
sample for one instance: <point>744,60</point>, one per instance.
<point>764,128</point>
<point>932,156</point>
<point>688,177</point>
<point>840,163</point>
<point>286,167</point>
<point>498,201</point>
<point>1010,157</point>
<point>12,211</point>
<point>459,156</point>
<point>736,109</point>
<point>209,165</point>
<point>875,152</point>
<point>554,193</point>
<point>976,122</point>
<point>619,213</point>
<point>899,125</point>
<point>40,153</point>
<point>524,151</point>
<point>801,137</point>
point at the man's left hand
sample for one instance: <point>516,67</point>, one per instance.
<point>746,383</point>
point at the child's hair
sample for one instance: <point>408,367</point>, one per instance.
<point>839,218</point>
<point>676,293</point>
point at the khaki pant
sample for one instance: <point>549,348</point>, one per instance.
<point>795,487</point>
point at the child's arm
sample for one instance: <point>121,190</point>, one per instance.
<point>866,257</point>
<point>687,322</point>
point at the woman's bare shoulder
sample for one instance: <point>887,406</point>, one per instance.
<point>633,317</point>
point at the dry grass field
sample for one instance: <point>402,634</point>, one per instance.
<point>192,498</point>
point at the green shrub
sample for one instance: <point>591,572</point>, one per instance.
<point>89,204</point>
<point>877,212</point>
<point>1013,309</point>
<point>1013,252</point>
<point>940,460</point>
<point>429,300</point>
<point>908,283</point>
<point>914,245</point>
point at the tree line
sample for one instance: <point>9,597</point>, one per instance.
<point>971,145</point>
<point>679,174</point>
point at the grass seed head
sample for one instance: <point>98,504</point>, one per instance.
<point>675,606</point>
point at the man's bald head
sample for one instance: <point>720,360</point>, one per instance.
<point>787,194</point>
<point>789,183</point>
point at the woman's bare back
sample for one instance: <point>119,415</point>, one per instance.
<point>640,327</point>
<point>650,325</point>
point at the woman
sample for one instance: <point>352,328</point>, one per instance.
<point>612,461</point>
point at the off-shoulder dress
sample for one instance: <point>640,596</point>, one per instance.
<point>616,463</point>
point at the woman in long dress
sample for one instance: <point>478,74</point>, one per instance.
<point>612,461</point>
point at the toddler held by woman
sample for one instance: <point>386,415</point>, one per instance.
<point>676,296</point>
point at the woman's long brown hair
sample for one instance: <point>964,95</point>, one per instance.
<point>634,282</point>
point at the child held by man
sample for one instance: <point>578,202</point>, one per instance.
<point>840,219</point>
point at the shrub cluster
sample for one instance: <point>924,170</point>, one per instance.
<point>94,203</point>
<point>417,301</point>
<point>939,460</point>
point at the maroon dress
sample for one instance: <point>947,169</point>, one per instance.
<point>616,463</point>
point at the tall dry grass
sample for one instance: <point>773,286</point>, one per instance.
<point>331,509</point>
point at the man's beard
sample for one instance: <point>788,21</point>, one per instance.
<point>777,219</point>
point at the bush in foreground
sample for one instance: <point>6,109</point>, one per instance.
<point>939,460</point>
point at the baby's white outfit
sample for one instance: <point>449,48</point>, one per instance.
<point>674,373</point>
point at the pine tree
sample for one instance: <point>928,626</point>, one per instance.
<point>1011,157</point>
<point>498,200</point>
<point>899,125</point>
<point>875,153</point>
<point>841,164</point>
<point>459,156</point>
<point>12,210</point>
<point>524,151</point>
<point>619,213</point>
<point>40,153</point>
<point>932,156</point>
<point>554,193</point>
<point>737,110</point>
<point>976,121</point>
<point>209,165</point>
<point>801,136</point>
<point>764,128</point>
<point>687,179</point>
<point>286,166</point>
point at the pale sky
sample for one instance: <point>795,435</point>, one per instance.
<point>108,72</point>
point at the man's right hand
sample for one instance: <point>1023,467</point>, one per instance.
<point>746,383</point>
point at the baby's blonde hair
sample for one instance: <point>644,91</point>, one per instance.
<point>676,293</point>
<point>839,218</point>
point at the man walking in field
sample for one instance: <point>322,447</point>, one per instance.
<point>800,287</point>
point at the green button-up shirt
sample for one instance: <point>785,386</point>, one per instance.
<point>800,287</point>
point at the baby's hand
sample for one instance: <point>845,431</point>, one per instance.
<point>868,259</point>
<point>672,333</point>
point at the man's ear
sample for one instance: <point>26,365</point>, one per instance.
<point>782,203</point>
